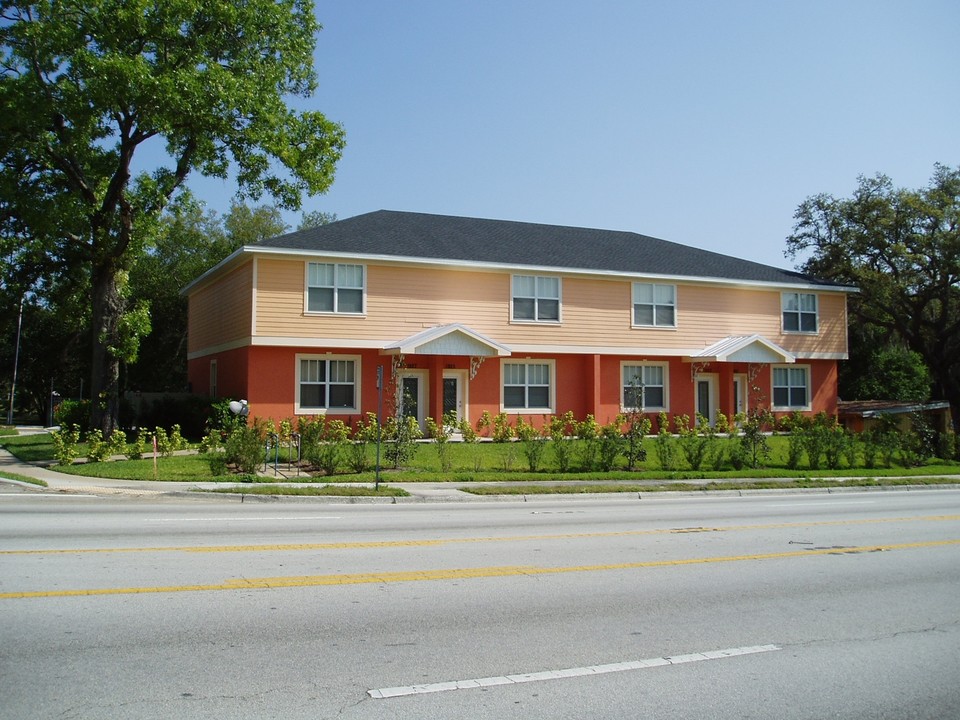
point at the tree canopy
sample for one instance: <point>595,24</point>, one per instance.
<point>90,88</point>
<point>901,248</point>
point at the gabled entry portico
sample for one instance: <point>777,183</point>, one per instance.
<point>722,372</point>
<point>432,377</point>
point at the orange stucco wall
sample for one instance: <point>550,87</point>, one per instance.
<point>584,384</point>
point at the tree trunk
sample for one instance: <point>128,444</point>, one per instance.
<point>105,381</point>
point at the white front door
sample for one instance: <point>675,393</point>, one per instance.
<point>454,391</point>
<point>705,393</point>
<point>739,394</point>
<point>412,396</point>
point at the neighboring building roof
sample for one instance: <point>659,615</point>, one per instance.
<point>873,408</point>
<point>411,236</point>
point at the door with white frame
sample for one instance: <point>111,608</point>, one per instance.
<point>455,394</point>
<point>705,396</point>
<point>412,395</point>
<point>739,394</point>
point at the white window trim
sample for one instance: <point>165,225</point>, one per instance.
<point>335,311</point>
<point>536,299</point>
<point>666,385</point>
<point>553,387</point>
<point>654,325</point>
<point>357,367</point>
<point>792,408</point>
<point>800,313</point>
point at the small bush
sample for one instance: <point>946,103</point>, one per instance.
<point>244,450</point>
<point>562,429</point>
<point>611,444</point>
<point>534,443</point>
<point>665,447</point>
<point>65,442</point>
<point>97,449</point>
<point>71,413</point>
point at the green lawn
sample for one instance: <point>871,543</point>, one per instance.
<point>469,463</point>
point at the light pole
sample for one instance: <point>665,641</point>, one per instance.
<point>16,362</point>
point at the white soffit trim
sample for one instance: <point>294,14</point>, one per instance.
<point>744,348</point>
<point>452,339</point>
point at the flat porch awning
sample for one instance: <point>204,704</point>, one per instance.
<point>743,348</point>
<point>452,339</point>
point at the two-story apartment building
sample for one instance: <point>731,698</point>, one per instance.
<point>467,315</point>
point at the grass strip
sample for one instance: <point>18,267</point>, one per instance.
<point>325,490</point>
<point>22,478</point>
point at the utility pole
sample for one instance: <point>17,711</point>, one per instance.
<point>16,362</point>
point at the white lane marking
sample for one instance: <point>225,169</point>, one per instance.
<point>240,519</point>
<point>826,502</point>
<point>386,693</point>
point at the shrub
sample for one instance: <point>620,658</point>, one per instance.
<point>329,451</point>
<point>484,423</point>
<point>562,429</point>
<point>71,413</point>
<point>65,444</point>
<point>440,432</point>
<point>588,433</point>
<point>638,426</point>
<point>947,446</point>
<point>402,435</point>
<point>244,449</point>
<point>693,443</point>
<point>363,435</point>
<point>471,438</point>
<point>755,450</point>
<point>502,432</point>
<point>611,444</point>
<point>533,442</point>
<point>98,450</point>
<point>137,447</point>
<point>665,447</point>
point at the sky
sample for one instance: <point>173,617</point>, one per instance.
<point>703,123</point>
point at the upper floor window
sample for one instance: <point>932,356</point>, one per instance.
<point>327,383</point>
<point>644,387</point>
<point>536,298</point>
<point>335,288</point>
<point>799,312</point>
<point>527,385</point>
<point>654,305</point>
<point>791,388</point>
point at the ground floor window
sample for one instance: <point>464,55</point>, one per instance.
<point>791,388</point>
<point>644,386</point>
<point>327,383</point>
<point>528,386</point>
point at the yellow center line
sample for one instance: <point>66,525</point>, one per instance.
<point>428,542</point>
<point>460,573</point>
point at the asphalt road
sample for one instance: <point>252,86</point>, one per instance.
<point>839,605</point>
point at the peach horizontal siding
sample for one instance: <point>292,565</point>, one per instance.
<point>220,312</point>
<point>402,301</point>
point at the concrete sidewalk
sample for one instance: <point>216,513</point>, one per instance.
<point>67,483</point>
<point>419,492</point>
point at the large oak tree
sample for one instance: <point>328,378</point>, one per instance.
<point>902,249</point>
<point>87,86</point>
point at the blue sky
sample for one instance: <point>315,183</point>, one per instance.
<point>704,123</point>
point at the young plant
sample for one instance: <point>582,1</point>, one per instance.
<point>534,442</point>
<point>562,436</point>
<point>611,444</point>
<point>665,444</point>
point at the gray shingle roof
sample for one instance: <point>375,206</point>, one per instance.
<point>519,244</point>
